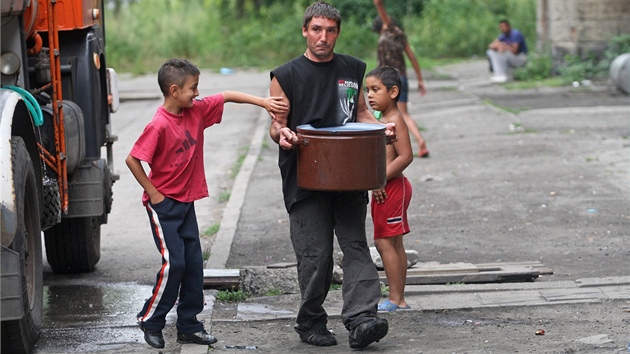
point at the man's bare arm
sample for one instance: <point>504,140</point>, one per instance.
<point>278,130</point>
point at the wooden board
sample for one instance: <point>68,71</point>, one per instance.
<point>419,274</point>
<point>437,273</point>
<point>224,279</point>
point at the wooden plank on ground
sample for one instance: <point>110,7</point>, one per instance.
<point>435,273</point>
<point>505,275</point>
<point>437,268</point>
<point>543,269</point>
<point>227,279</point>
<point>282,265</point>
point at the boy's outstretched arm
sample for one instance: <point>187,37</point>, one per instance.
<point>135,166</point>
<point>273,105</point>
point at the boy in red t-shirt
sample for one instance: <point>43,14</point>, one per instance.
<point>172,145</point>
<point>389,205</point>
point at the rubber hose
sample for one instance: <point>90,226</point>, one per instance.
<point>31,104</point>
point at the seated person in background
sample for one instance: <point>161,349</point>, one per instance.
<point>509,50</point>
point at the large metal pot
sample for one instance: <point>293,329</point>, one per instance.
<point>342,158</point>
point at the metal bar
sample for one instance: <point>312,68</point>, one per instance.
<point>55,69</point>
<point>48,158</point>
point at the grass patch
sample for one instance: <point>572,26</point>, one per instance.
<point>507,109</point>
<point>232,295</point>
<point>239,162</point>
<point>334,286</point>
<point>274,292</point>
<point>531,84</point>
<point>224,196</point>
<point>212,230</point>
<point>206,255</point>
<point>384,290</point>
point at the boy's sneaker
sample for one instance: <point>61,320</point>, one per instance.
<point>367,332</point>
<point>318,335</point>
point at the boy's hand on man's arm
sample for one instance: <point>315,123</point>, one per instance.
<point>275,105</point>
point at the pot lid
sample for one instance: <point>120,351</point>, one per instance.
<point>348,127</point>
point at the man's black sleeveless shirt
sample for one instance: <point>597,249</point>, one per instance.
<point>322,95</point>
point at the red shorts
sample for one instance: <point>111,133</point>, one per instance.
<point>390,217</point>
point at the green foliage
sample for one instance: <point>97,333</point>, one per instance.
<point>538,67</point>
<point>461,28</point>
<point>357,9</point>
<point>576,68</point>
<point>142,34</point>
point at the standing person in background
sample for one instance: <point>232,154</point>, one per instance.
<point>323,88</point>
<point>392,43</point>
<point>509,50</point>
<point>389,204</point>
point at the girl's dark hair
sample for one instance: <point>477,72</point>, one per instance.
<point>175,72</point>
<point>321,9</point>
<point>377,24</point>
<point>389,76</point>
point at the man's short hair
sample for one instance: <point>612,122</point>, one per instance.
<point>175,72</point>
<point>389,76</point>
<point>504,21</point>
<point>321,9</point>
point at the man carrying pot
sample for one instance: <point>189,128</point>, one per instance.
<point>323,89</point>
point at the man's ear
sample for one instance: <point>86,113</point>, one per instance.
<point>393,92</point>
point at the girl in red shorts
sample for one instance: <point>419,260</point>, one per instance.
<point>389,205</point>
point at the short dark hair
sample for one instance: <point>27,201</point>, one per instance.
<point>175,72</point>
<point>321,9</point>
<point>377,24</point>
<point>504,21</point>
<point>389,76</point>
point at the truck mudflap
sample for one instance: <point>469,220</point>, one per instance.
<point>11,293</point>
<point>86,190</point>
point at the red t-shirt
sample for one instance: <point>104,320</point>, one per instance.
<point>172,145</point>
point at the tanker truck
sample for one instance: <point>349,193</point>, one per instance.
<point>56,166</point>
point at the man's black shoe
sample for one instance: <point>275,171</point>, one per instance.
<point>153,338</point>
<point>318,335</point>
<point>201,337</point>
<point>367,332</point>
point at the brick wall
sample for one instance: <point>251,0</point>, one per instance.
<point>579,27</point>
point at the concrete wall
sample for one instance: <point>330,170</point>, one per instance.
<point>580,27</point>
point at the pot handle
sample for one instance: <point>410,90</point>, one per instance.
<point>302,140</point>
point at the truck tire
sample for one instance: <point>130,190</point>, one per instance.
<point>74,245</point>
<point>20,336</point>
<point>51,210</point>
